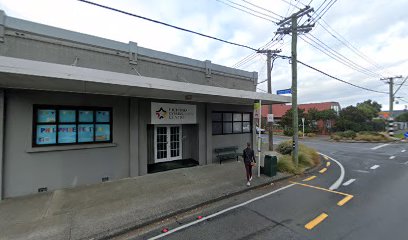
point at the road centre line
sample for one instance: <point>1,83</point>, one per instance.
<point>323,170</point>
<point>316,221</point>
<point>403,150</point>
<point>374,167</point>
<point>309,178</point>
<point>340,203</point>
<point>392,157</point>
<point>338,182</point>
<point>380,146</point>
<point>219,213</point>
<point>350,181</point>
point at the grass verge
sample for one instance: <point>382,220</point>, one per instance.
<point>308,157</point>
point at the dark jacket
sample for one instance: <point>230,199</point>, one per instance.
<point>248,155</point>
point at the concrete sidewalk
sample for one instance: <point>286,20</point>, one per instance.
<point>108,208</point>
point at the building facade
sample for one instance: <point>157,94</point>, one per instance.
<point>323,127</point>
<point>77,109</point>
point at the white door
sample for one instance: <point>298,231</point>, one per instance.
<point>167,143</point>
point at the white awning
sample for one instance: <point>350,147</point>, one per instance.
<point>28,74</point>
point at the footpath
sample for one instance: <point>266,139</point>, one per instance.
<point>105,209</point>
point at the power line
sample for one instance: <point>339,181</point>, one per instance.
<point>335,56</point>
<point>291,4</point>
<point>350,46</point>
<point>243,10</point>
<point>336,78</point>
<point>262,8</point>
<point>166,24</point>
<point>345,58</point>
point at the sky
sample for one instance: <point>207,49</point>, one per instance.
<point>377,31</point>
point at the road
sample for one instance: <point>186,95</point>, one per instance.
<point>371,202</point>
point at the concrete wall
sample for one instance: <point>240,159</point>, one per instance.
<point>47,49</point>
<point>26,169</point>
<point>217,141</point>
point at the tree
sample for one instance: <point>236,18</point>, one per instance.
<point>402,118</point>
<point>369,108</point>
<point>286,120</point>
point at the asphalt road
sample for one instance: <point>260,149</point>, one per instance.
<point>371,202</point>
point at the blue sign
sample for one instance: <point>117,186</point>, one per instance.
<point>284,91</point>
<point>46,134</point>
<point>102,132</point>
<point>85,116</point>
<point>67,133</point>
<point>406,135</point>
<point>85,133</point>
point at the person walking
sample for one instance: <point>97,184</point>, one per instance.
<point>249,160</point>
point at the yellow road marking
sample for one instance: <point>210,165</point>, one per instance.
<point>309,178</point>
<point>347,197</point>
<point>328,164</point>
<point>325,157</point>
<point>316,221</point>
<point>344,200</point>
<point>323,170</point>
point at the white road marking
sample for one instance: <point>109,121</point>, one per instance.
<point>338,182</point>
<point>403,150</point>
<point>349,182</point>
<point>334,186</point>
<point>392,157</point>
<point>361,171</point>
<point>375,167</point>
<point>380,146</point>
<point>219,213</point>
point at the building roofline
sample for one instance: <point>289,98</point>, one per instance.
<point>82,38</point>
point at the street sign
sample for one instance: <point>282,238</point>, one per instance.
<point>270,118</point>
<point>257,110</point>
<point>284,91</point>
<point>406,135</point>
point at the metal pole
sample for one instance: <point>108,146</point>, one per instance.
<point>259,139</point>
<point>294,92</point>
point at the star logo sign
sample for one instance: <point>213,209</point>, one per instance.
<point>161,113</point>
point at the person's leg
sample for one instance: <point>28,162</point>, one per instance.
<point>247,170</point>
<point>250,171</point>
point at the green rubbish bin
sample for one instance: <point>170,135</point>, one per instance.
<point>270,165</point>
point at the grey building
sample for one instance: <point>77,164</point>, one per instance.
<point>77,109</point>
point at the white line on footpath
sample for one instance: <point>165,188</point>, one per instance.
<point>392,157</point>
<point>380,146</point>
<point>219,213</point>
<point>338,182</point>
<point>349,182</point>
<point>403,150</point>
<point>375,167</point>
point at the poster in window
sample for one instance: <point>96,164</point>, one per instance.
<point>46,134</point>
<point>102,116</point>
<point>85,116</point>
<point>67,133</point>
<point>67,116</point>
<point>85,133</point>
<point>102,132</point>
<point>46,115</point>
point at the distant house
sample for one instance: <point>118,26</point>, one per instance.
<point>279,110</point>
<point>395,113</point>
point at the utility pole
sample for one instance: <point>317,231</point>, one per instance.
<point>294,29</point>
<point>269,55</point>
<point>390,81</point>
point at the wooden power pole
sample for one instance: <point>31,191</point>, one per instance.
<point>294,29</point>
<point>269,55</point>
